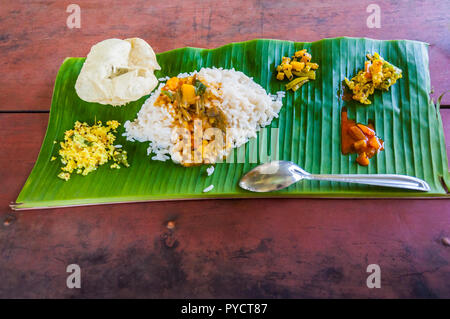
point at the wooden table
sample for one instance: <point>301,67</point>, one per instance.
<point>218,248</point>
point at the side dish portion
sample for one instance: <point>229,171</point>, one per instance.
<point>117,72</point>
<point>87,147</point>
<point>377,74</point>
<point>298,69</point>
<point>360,139</point>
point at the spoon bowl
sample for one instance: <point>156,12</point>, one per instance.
<point>271,176</point>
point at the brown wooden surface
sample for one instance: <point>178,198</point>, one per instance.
<point>218,248</point>
<point>34,38</point>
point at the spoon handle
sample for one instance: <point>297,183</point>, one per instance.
<point>387,180</point>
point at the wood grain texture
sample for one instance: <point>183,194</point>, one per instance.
<point>34,38</point>
<point>219,248</point>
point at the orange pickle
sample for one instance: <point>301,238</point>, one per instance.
<point>367,130</point>
<point>362,159</point>
<point>356,133</point>
<point>359,145</point>
<point>360,139</point>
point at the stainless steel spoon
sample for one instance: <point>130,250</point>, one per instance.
<point>276,175</point>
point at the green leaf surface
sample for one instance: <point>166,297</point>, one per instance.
<point>309,129</point>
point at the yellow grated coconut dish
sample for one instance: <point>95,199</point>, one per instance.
<point>87,147</point>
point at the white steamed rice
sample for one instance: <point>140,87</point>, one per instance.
<point>245,103</point>
<point>210,170</point>
<point>208,189</point>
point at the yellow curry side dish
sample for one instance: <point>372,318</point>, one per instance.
<point>298,69</point>
<point>86,147</point>
<point>377,74</point>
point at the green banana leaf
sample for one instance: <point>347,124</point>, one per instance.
<point>309,129</point>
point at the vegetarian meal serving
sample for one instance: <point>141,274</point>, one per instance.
<point>127,124</point>
<point>198,117</point>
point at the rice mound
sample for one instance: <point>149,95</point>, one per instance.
<point>245,103</point>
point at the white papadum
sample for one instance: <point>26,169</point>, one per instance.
<point>117,72</point>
